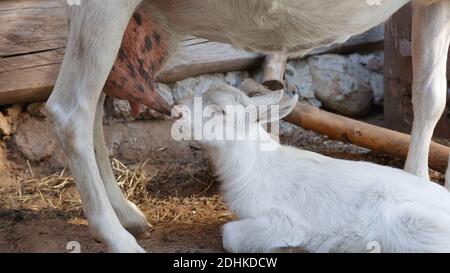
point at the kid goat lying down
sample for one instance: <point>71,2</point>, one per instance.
<point>284,196</point>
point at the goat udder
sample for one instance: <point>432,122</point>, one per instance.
<point>142,54</point>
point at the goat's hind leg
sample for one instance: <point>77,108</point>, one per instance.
<point>431,37</point>
<point>129,215</point>
<point>96,31</point>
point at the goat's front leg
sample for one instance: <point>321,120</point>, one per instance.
<point>129,215</point>
<point>97,27</point>
<point>431,33</point>
<point>268,233</point>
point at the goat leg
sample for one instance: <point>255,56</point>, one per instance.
<point>431,38</point>
<point>94,39</point>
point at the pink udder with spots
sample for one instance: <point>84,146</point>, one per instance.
<point>141,56</point>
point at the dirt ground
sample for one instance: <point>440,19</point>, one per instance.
<point>42,213</point>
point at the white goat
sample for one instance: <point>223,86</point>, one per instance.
<point>285,196</point>
<point>294,26</point>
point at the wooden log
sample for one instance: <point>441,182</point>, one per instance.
<point>372,137</point>
<point>274,68</point>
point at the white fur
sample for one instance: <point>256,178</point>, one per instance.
<point>288,197</point>
<point>294,26</point>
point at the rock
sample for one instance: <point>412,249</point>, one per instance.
<point>37,110</point>
<point>300,81</point>
<point>377,86</point>
<point>337,88</point>
<point>35,139</point>
<point>166,92</point>
<point>236,78</point>
<point>368,69</point>
<point>195,86</point>
<point>5,126</point>
<point>375,62</point>
<point>8,119</point>
<point>13,112</point>
<point>136,141</point>
<point>362,72</point>
<point>118,108</point>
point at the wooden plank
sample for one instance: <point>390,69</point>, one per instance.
<point>29,78</point>
<point>32,41</point>
<point>32,26</point>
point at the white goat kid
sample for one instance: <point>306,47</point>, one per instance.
<point>293,26</point>
<point>284,196</point>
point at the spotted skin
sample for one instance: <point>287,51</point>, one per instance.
<point>143,52</point>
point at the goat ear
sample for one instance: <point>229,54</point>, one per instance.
<point>269,99</point>
<point>272,113</point>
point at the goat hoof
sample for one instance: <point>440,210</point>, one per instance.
<point>140,230</point>
<point>134,221</point>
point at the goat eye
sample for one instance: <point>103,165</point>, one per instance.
<point>223,112</point>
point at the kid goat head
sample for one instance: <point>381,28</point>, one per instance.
<point>225,115</point>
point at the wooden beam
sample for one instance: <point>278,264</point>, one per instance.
<point>29,78</point>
